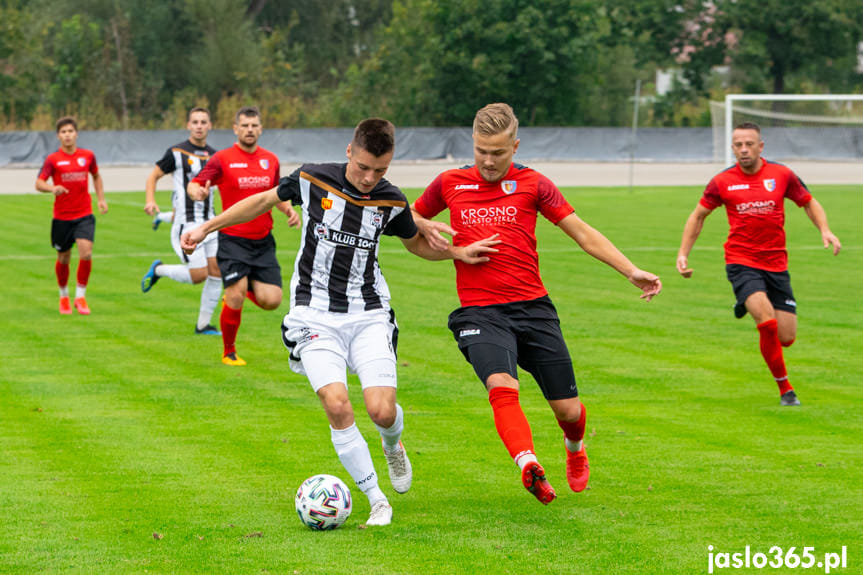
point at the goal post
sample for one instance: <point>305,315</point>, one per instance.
<point>835,110</point>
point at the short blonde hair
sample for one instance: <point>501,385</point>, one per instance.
<point>495,119</point>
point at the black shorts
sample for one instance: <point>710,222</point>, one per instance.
<point>496,338</point>
<point>777,285</point>
<point>242,257</point>
<point>64,233</point>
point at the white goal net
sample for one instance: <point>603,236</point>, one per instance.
<point>825,127</point>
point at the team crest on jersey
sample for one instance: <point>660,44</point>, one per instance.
<point>265,164</point>
<point>770,185</point>
<point>326,203</point>
<point>82,162</point>
<point>378,220</point>
<point>508,186</point>
<point>322,231</point>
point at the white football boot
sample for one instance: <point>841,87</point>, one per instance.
<point>399,467</point>
<point>381,513</point>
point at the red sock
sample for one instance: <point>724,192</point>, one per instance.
<point>574,430</point>
<point>229,321</point>
<point>62,271</point>
<point>252,298</point>
<point>771,349</point>
<point>509,419</point>
<point>84,267</point>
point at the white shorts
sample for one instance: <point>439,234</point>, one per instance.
<point>325,345</point>
<point>206,249</point>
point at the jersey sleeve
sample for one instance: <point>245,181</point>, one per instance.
<point>402,225</point>
<point>212,172</point>
<point>94,165</point>
<point>796,191</point>
<point>47,169</point>
<point>289,188</point>
<point>278,169</point>
<point>166,163</point>
<point>711,198</point>
<point>431,202</point>
<point>552,205</point>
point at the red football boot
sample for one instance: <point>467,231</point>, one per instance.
<point>533,478</point>
<point>65,306</point>
<point>577,469</point>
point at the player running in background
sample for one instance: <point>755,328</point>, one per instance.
<point>247,252</point>
<point>340,314</point>
<point>73,222</point>
<point>507,318</point>
<point>756,261</point>
<point>185,161</point>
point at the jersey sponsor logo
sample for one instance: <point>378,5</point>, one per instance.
<point>508,186</point>
<point>467,332</point>
<point>82,162</point>
<point>247,182</point>
<point>770,185</point>
<point>238,165</point>
<point>74,177</point>
<point>351,240</point>
<point>64,163</point>
<point>758,207</point>
<point>326,203</point>
<point>264,163</point>
<point>467,187</point>
<point>736,187</point>
<point>489,215</point>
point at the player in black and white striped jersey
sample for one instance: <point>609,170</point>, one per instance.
<point>340,314</point>
<point>184,161</point>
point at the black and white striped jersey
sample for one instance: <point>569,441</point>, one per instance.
<point>336,268</point>
<point>184,161</point>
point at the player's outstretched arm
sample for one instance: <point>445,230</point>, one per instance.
<point>600,247</point>
<point>433,231</point>
<point>818,216</point>
<point>691,230</point>
<point>99,186</point>
<point>475,253</point>
<point>150,206</point>
<point>243,211</point>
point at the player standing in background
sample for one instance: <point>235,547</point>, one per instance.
<point>73,221</point>
<point>756,261</point>
<point>340,314</point>
<point>185,161</point>
<point>247,252</point>
<point>507,318</point>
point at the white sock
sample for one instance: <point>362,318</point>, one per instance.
<point>353,452</point>
<point>176,272</point>
<point>64,291</point>
<point>525,459</point>
<point>167,217</point>
<point>573,446</point>
<point>209,300</point>
<point>393,433</point>
<point>80,291</point>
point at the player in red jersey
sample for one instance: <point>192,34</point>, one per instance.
<point>247,252</point>
<point>753,192</point>
<point>73,222</point>
<point>507,318</point>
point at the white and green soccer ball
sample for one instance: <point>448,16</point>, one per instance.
<point>323,502</point>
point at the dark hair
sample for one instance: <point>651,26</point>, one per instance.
<point>376,136</point>
<point>66,121</point>
<point>197,109</point>
<point>247,111</point>
<point>748,126</point>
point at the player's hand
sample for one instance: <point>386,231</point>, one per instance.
<point>647,282</point>
<point>151,208</point>
<point>198,192</point>
<point>683,266</point>
<point>60,190</point>
<point>830,239</point>
<point>190,240</point>
<point>477,252</point>
<point>103,206</point>
<point>432,231</point>
<point>293,217</point>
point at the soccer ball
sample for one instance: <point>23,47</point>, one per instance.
<point>323,502</point>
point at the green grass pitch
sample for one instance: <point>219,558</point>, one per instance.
<point>127,447</point>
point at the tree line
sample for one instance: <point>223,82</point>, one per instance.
<point>140,64</point>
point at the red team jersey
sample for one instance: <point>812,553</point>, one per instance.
<point>239,175</point>
<point>756,213</point>
<point>72,171</point>
<point>507,207</point>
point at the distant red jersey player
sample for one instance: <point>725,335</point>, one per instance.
<point>247,252</point>
<point>753,192</point>
<point>507,318</point>
<point>69,168</point>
